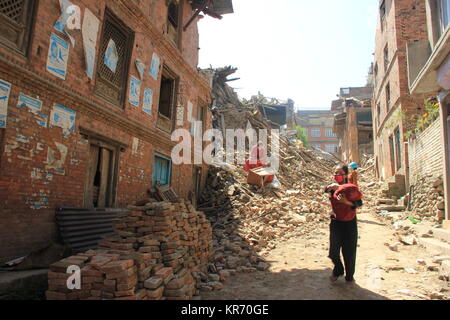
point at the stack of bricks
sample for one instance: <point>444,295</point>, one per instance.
<point>151,256</point>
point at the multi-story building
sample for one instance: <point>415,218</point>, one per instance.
<point>319,128</point>
<point>353,123</point>
<point>393,107</point>
<point>429,71</point>
<point>88,105</point>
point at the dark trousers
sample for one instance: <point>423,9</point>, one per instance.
<point>343,235</point>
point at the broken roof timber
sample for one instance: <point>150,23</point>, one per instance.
<point>213,8</point>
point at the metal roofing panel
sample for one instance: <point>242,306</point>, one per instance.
<point>223,6</point>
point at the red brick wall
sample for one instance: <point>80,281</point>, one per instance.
<point>405,22</point>
<point>30,190</point>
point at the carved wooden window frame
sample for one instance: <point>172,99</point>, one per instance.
<point>17,17</point>
<point>113,86</point>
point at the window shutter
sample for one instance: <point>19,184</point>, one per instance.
<point>112,85</point>
<point>15,23</point>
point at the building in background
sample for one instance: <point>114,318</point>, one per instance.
<point>353,123</point>
<point>319,128</point>
<point>429,71</point>
<point>393,107</point>
<point>86,114</point>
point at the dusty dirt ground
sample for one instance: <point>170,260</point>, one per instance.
<point>300,269</point>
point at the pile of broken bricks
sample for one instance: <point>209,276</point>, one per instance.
<point>158,251</point>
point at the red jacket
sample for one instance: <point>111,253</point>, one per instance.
<point>342,211</point>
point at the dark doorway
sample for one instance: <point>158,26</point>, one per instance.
<point>398,148</point>
<point>101,182</point>
<point>392,154</point>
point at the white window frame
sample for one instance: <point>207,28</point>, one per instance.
<point>329,147</point>
<point>330,134</point>
<point>315,130</point>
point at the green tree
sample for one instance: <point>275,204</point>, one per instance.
<point>302,135</point>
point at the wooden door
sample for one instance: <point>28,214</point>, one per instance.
<point>100,181</point>
<point>392,154</point>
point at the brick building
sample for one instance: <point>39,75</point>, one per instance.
<point>88,122</point>
<point>400,22</point>
<point>429,71</point>
<point>319,129</point>
<point>353,123</point>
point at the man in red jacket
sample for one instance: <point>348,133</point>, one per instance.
<point>344,198</point>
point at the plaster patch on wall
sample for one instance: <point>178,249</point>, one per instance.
<point>53,162</point>
<point>36,174</point>
<point>135,146</point>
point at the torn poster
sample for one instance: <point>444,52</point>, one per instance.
<point>89,32</point>
<point>64,118</point>
<point>34,105</point>
<point>190,109</point>
<point>58,55</point>
<point>135,91</point>
<point>68,11</point>
<point>111,56</point>
<point>148,101</point>
<point>135,146</point>
<point>140,66</point>
<point>5,90</point>
<point>57,164</point>
<point>154,67</point>
<point>180,116</point>
<point>42,120</point>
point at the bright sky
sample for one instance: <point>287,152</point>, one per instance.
<point>300,49</point>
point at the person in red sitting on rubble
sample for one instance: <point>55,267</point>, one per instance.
<point>345,198</point>
<point>258,157</point>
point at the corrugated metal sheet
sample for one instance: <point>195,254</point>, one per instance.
<point>223,6</point>
<point>81,229</point>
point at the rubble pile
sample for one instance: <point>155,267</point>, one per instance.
<point>427,199</point>
<point>248,220</point>
<point>158,251</point>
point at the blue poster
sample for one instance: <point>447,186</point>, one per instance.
<point>42,120</point>
<point>154,67</point>
<point>148,101</point>
<point>111,56</point>
<point>135,91</point>
<point>58,55</point>
<point>64,118</point>
<point>34,105</point>
<point>5,89</point>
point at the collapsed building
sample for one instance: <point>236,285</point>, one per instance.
<point>353,123</point>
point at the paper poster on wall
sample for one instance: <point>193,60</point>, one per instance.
<point>190,108</point>
<point>34,105</point>
<point>191,119</point>
<point>180,116</point>
<point>42,120</point>
<point>89,32</point>
<point>148,101</point>
<point>67,11</point>
<point>140,67</point>
<point>58,55</point>
<point>135,91</point>
<point>64,118</point>
<point>5,90</point>
<point>135,146</point>
<point>154,67</point>
<point>111,56</point>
